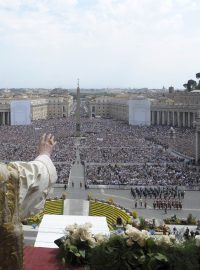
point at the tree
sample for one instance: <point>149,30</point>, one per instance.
<point>191,85</point>
<point>198,77</point>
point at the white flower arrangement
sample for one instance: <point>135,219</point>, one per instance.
<point>134,235</point>
<point>82,248</point>
<point>82,233</point>
<point>165,240</point>
<point>197,240</point>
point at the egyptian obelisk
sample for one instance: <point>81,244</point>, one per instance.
<point>78,125</point>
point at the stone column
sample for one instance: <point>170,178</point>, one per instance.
<point>189,115</point>
<point>168,118</point>
<point>4,118</point>
<point>9,118</point>
<point>178,118</point>
<point>173,118</point>
<point>183,119</point>
<point>158,118</point>
<point>163,117</point>
<point>151,117</point>
<point>193,119</point>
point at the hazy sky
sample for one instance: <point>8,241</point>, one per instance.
<point>106,43</point>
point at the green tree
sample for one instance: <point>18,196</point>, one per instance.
<point>191,85</point>
<point>198,77</point>
<point>185,85</point>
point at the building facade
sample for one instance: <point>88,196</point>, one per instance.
<point>52,106</point>
<point>174,109</point>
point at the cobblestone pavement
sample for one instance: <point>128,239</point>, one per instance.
<point>191,203</point>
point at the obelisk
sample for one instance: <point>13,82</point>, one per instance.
<point>197,143</point>
<point>78,125</point>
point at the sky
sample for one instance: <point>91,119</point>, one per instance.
<point>104,43</point>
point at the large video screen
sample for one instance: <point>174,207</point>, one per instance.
<point>139,112</point>
<point>20,112</point>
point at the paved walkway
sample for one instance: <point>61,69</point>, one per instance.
<point>76,203</point>
<point>76,207</point>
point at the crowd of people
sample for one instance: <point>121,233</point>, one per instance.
<point>167,198</point>
<point>158,192</point>
<point>113,152</point>
<point>142,174</point>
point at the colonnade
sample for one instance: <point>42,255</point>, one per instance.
<point>197,146</point>
<point>4,118</point>
<point>173,118</point>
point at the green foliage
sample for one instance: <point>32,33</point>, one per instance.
<point>143,223</point>
<point>71,255</point>
<point>134,214</point>
<point>192,84</point>
<point>183,257</point>
<point>191,220</point>
<point>115,253</point>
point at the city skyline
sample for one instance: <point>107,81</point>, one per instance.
<point>106,43</point>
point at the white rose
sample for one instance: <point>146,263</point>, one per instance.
<point>75,236</point>
<point>84,234</point>
<point>129,242</point>
<point>145,234</point>
<point>91,242</point>
<point>71,228</point>
<point>172,238</point>
<point>197,239</point>
<point>132,232</point>
<point>164,240</point>
<point>100,238</point>
<point>141,241</point>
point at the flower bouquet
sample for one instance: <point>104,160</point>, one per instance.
<point>132,249</point>
<point>77,244</point>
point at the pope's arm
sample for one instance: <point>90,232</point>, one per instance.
<point>36,178</point>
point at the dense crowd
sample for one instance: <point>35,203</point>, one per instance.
<point>113,152</point>
<point>63,172</point>
<point>118,154</point>
<point>20,143</point>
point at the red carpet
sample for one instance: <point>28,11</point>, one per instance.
<point>43,259</point>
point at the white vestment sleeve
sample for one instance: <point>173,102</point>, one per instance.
<point>36,180</point>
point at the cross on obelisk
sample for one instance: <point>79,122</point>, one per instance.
<point>78,111</point>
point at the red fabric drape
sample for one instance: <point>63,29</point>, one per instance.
<point>43,259</point>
